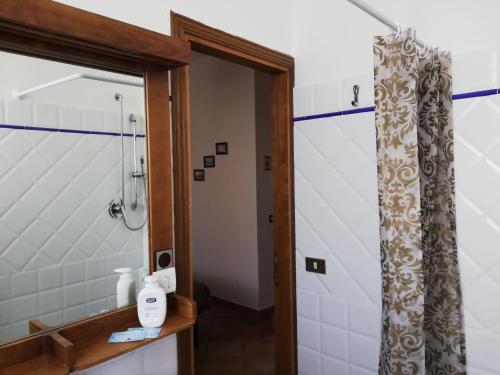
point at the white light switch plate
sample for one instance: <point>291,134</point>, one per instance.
<point>167,279</point>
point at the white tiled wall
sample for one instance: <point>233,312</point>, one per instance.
<point>58,245</point>
<point>336,219</point>
<point>159,358</point>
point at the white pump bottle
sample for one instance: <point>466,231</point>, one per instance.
<point>152,304</point>
<point>125,287</point>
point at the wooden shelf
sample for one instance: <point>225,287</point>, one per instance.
<point>84,344</point>
<point>44,364</point>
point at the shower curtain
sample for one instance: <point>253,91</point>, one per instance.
<point>422,322</point>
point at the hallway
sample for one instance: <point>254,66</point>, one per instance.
<point>234,340</point>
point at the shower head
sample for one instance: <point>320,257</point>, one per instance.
<point>118,97</point>
<point>132,118</point>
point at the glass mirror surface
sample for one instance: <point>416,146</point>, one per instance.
<point>72,141</point>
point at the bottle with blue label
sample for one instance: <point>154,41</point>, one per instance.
<point>151,304</point>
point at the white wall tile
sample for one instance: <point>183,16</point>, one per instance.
<point>308,333</point>
<point>75,294</point>
<point>481,61</point>
<point>96,289</point>
<point>75,313</point>
<point>50,301</point>
<point>70,118</point>
<point>24,307</point>
<point>16,147</point>
<point>56,247</point>
<point>355,370</point>
<point>331,366</point>
<point>93,120</point>
<point>5,334</point>
<point>334,311</point>
<point>307,304</point>
<point>46,115</point>
<point>5,287</point>
<point>154,359</point>
<point>50,278</point>
<point>5,312</point>
<point>364,319</point>
<point>19,253</point>
<point>38,233</point>
<point>328,97</point>
<point>128,364</point>
<point>97,307</point>
<point>363,351</point>
<point>53,319</point>
<point>19,329</point>
<point>303,101</point>
<point>2,111</point>
<point>112,122</point>
<point>24,283</point>
<point>96,268</point>
<point>334,342</point>
<point>309,361</point>
<point>74,273</point>
<point>19,112</point>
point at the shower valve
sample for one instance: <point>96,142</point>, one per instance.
<point>115,208</point>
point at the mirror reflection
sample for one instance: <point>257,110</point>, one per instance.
<point>73,207</point>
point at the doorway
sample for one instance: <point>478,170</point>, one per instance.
<point>216,43</point>
<point>232,244</point>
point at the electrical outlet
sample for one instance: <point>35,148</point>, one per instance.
<point>167,279</point>
<point>164,259</point>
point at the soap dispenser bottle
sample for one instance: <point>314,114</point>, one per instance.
<point>152,304</point>
<point>125,287</point>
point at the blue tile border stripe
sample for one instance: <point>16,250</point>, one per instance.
<point>465,95</point>
<point>73,131</point>
<point>475,94</point>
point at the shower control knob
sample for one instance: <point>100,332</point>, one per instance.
<point>115,208</point>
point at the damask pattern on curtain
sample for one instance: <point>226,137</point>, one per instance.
<point>422,321</point>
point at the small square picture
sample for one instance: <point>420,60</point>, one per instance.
<point>221,148</point>
<point>209,161</point>
<point>199,174</point>
<point>267,163</point>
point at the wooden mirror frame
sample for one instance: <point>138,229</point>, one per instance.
<point>54,31</point>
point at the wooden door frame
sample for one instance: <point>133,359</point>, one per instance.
<point>217,43</point>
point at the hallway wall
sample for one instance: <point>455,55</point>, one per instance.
<point>232,238</point>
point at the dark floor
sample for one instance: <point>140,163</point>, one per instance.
<point>234,340</point>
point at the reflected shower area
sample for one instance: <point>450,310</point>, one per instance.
<point>73,178</point>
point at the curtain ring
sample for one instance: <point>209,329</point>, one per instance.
<point>398,31</point>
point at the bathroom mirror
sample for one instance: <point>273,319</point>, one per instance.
<point>73,183</point>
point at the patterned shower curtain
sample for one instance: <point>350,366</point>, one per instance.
<point>422,322</point>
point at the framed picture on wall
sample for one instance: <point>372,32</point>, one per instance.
<point>209,161</point>
<point>199,174</point>
<point>267,163</point>
<point>221,148</point>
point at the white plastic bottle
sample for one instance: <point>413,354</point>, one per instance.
<point>125,287</point>
<point>152,304</point>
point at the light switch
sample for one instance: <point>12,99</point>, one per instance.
<point>315,265</point>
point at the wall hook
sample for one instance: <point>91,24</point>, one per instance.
<point>355,90</point>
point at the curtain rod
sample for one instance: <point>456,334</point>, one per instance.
<point>72,77</point>
<point>380,17</point>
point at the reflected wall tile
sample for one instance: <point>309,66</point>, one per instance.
<point>19,112</point>
<point>24,283</point>
<point>475,70</point>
